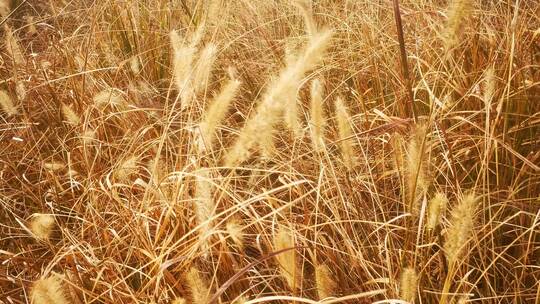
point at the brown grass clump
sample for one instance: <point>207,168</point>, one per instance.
<point>48,290</point>
<point>287,151</point>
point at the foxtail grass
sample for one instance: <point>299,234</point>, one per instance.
<point>287,260</point>
<point>345,134</point>
<point>48,290</point>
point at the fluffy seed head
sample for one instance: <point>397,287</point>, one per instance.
<point>41,225</point>
<point>416,165</point>
<point>305,9</point>
<point>13,47</point>
<point>203,69</point>
<point>127,168</point>
<point>5,8</point>
<point>88,136</point>
<point>436,207</point>
<point>108,97</point>
<point>215,114</point>
<point>69,115</point>
<point>461,227</point>
<point>345,134</point>
<point>197,286</point>
<point>182,69</point>
<point>53,166</point>
<point>7,105</point>
<point>458,12</point>
<point>135,64</point>
<point>204,204</point>
<point>408,284</point>
<point>326,284</point>
<point>317,116</point>
<point>283,239</point>
<point>234,229</point>
<point>292,120</point>
<point>20,91</point>
<point>259,128</point>
<point>490,86</point>
<point>179,301</point>
<point>48,291</point>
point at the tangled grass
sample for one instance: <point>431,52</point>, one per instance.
<point>270,151</point>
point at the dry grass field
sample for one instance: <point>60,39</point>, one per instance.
<point>270,151</point>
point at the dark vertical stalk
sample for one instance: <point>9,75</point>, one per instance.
<point>404,65</point>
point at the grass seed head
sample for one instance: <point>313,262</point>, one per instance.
<point>49,290</point>
<point>41,225</point>
<point>198,286</point>
<point>7,105</point>
<point>345,134</point>
<point>408,284</point>
<point>461,227</point>
<point>326,283</point>
<point>287,263</point>
<point>436,208</point>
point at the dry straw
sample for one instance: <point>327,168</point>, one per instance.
<point>48,290</point>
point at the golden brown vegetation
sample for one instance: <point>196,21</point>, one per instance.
<point>269,151</point>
